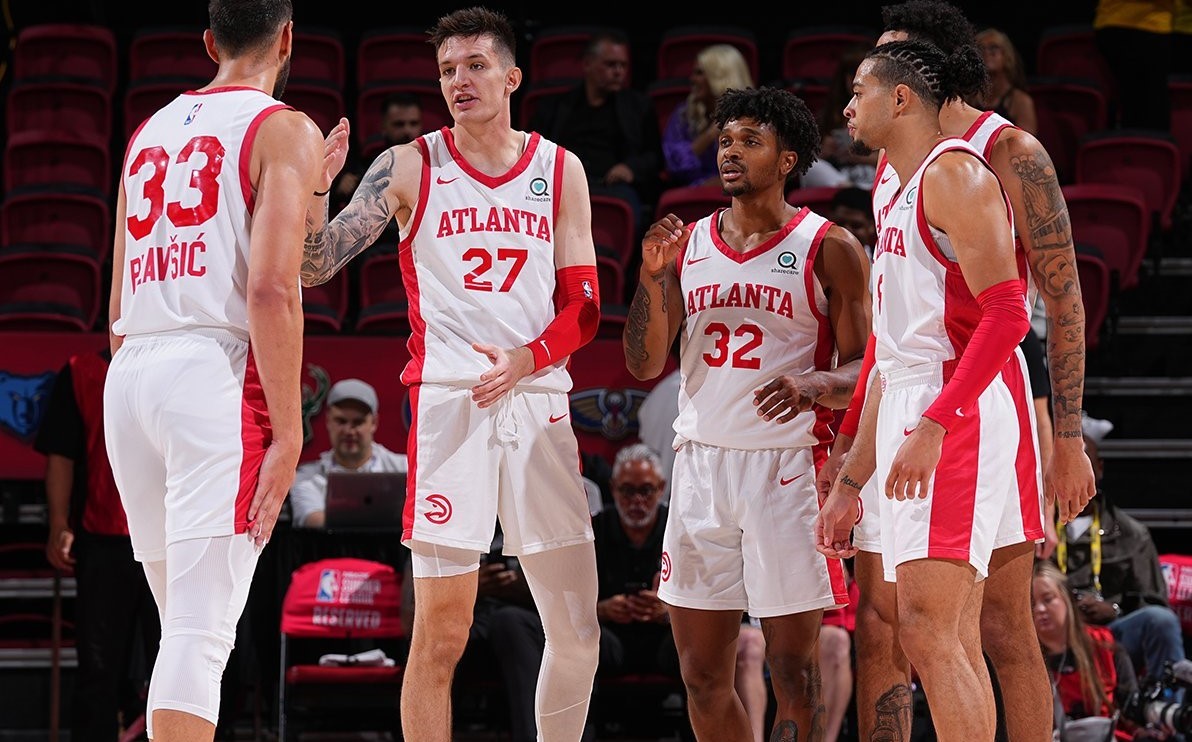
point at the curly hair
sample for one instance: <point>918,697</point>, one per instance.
<point>934,76</point>
<point>782,110</point>
<point>936,21</point>
<point>476,21</point>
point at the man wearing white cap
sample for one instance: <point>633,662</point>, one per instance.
<point>351,424</point>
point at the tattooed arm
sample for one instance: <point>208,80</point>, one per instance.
<point>1041,220</point>
<point>657,309</point>
<point>389,188</point>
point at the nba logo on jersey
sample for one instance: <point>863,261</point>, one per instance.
<point>587,285</point>
<point>328,586</point>
<point>194,111</point>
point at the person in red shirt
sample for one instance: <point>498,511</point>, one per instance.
<point>88,535</point>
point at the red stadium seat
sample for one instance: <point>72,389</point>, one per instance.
<point>54,157</point>
<point>815,51</point>
<point>556,52</point>
<point>535,92</point>
<point>667,94</point>
<point>817,199</point>
<point>318,99</point>
<point>48,288</point>
<point>610,274</point>
<point>143,97</point>
<point>813,92</point>
<point>68,49</point>
<point>691,203</point>
<point>1147,160</point>
<point>384,306</point>
<point>395,52</point>
<point>1180,87</point>
<point>1094,276</point>
<point>55,215</point>
<point>1067,109</point>
<point>325,307</point>
<point>172,50</point>
<point>1113,219</point>
<point>56,102</point>
<point>613,226</point>
<point>1071,51</point>
<point>680,45</point>
<point>319,56</point>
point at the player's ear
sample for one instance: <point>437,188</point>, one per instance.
<point>287,40</point>
<point>209,43</point>
<point>789,160</point>
<point>901,95</point>
<point>513,79</point>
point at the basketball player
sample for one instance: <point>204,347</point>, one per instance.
<point>768,294</point>
<point>1042,228</point>
<point>495,223</point>
<point>954,443</point>
<point>202,408</point>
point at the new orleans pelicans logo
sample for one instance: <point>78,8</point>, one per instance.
<point>611,413</point>
<point>312,399</point>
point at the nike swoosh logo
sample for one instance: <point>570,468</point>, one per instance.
<point>907,431</point>
<point>693,261</point>
<point>959,412</point>
<point>784,481</point>
<point>440,180</point>
<point>557,418</point>
<point>886,179</point>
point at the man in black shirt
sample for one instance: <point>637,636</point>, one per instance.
<point>610,127</point>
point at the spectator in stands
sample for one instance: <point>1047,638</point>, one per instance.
<point>88,536</point>
<point>656,420</point>
<point>838,166</point>
<point>611,127</point>
<point>1124,588</point>
<point>689,141</point>
<point>1135,37</point>
<point>401,123</point>
<point>1090,672</point>
<point>351,424</point>
<point>852,209</point>
<point>1006,95</point>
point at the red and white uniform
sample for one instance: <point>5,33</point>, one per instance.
<point>743,492</point>
<point>478,261</point>
<point>185,417</point>
<point>924,315</point>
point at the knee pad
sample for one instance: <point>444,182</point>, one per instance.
<point>188,670</point>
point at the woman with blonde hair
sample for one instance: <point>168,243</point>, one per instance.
<point>1090,672</point>
<point>1006,94</point>
<point>689,141</point>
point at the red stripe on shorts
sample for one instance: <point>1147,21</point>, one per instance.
<point>255,436</point>
<point>1026,463</point>
<point>407,515</point>
<point>954,491</point>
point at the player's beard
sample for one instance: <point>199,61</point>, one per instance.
<point>860,148</point>
<point>283,76</point>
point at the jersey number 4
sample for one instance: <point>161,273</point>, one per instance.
<point>740,357</point>
<point>481,260</point>
<point>204,180</point>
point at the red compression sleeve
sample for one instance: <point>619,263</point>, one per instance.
<point>1003,325</point>
<point>575,322</point>
<point>852,416</point>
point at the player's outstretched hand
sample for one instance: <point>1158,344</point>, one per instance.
<point>509,367</point>
<point>335,153</point>
<point>277,474</point>
<point>662,242</point>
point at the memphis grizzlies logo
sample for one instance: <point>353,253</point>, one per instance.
<point>611,413</point>
<point>23,402</point>
<point>328,586</point>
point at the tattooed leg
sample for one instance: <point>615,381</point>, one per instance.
<point>792,651</point>
<point>892,722</point>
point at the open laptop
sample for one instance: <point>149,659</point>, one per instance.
<point>365,500</point>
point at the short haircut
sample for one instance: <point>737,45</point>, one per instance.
<point>935,77</point>
<point>608,35</point>
<point>402,98</point>
<point>637,452</point>
<point>476,21</point>
<point>783,111</point>
<point>242,26</point>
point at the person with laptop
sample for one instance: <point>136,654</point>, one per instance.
<point>351,424</point>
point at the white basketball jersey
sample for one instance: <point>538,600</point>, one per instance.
<point>923,311</point>
<point>478,262</point>
<point>189,211</point>
<point>751,317</point>
<point>984,132</point>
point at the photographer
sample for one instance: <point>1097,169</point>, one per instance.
<point>1113,566</point>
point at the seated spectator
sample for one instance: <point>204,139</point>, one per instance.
<point>852,209</point>
<point>838,166</point>
<point>689,141</point>
<point>1007,95</point>
<point>401,123</point>
<point>1091,673</point>
<point>351,424</point>
<point>611,128</point>
<point>1124,588</point>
